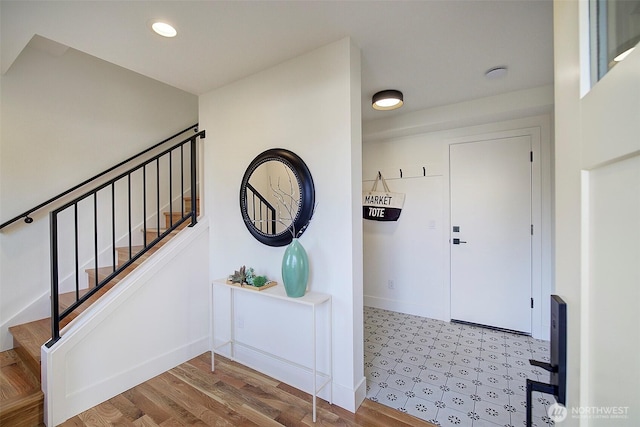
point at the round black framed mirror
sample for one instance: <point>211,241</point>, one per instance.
<point>277,197</point>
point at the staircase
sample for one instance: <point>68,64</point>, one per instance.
<point>21,397</point>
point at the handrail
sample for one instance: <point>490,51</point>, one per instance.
<point>178,149</point>
<point>29,220</point>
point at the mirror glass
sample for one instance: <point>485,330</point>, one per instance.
<point>273,197</point>
<point>277,197</point>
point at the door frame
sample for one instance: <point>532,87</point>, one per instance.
<point>540,311</point>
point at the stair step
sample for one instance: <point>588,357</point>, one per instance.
<point>27,340</point>
<point>65,300</point>
<point>122,257</point>
<point>21,400</point>
<point>104,272</point>
<point>23,411</point>
<point>187,204</point>
<point>123,253</point>
<point>152,233</point>
<point>17,378</point>
<point>169,221</point>
<point>173,217</point>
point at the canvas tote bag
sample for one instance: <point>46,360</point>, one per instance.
<point>381,205</point>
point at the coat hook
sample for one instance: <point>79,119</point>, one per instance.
<point>400,173</point>
<point>424,171</point>
<point>379,174</point>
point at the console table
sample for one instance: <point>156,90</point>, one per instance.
<point>312,300</point>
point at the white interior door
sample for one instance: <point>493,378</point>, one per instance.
<point>491,232</point>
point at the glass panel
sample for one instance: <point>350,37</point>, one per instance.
<point>615,29</point>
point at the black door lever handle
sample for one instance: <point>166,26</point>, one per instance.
<point>458,241</point>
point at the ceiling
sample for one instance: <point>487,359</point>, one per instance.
<point>436,52</point>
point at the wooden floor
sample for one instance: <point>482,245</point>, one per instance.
<point>233,395</point>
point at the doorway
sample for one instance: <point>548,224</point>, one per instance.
<point>491,232</point>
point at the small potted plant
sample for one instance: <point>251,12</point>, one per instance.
<point>247,277</point>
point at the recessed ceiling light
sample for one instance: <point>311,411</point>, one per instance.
<point>164,29</point>
<point>387,100</point>
<point>496,73</point>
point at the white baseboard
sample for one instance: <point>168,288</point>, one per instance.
<point>361,392</point>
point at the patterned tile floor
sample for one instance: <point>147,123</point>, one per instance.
<point>452,374</point>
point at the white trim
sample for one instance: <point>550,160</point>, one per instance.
<point>584,30</point>
<point>585,300</point>
<point>360,393</point>
<point>350,398</point>
<point>534,132</point>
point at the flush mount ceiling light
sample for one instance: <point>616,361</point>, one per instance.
<point>625,48</point>
<point>623,55</point>
<point>496,73</point>
<point>163,29</point>
<point>387,100</point>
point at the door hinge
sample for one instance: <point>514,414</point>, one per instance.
<point>531,302</point>
<point>532,229</point>
<point>531,156</point>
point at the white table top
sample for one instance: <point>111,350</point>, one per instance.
<point>278,292</point>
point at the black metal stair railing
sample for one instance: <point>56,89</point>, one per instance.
<point>120,205</point>
<point>262,212</point>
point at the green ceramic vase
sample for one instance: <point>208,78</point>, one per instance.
<point>295,269</point>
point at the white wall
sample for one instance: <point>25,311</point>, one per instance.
<point>311,106</point>
<point>66,116</point>
<point>409,252</point>
<point>597,228</point>
<point>414,252</point>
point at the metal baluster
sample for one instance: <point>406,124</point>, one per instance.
<point>129,210</point>
<point>77,262</point>
<point>113,224</point>
<point>273,221</point>
<point>182,180</point>
<point>55,309</point>
<point>144,205</point>
<point>158,193</point>
<point>170,189</point>
<point>194,202</point>
<point>95,233</point>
